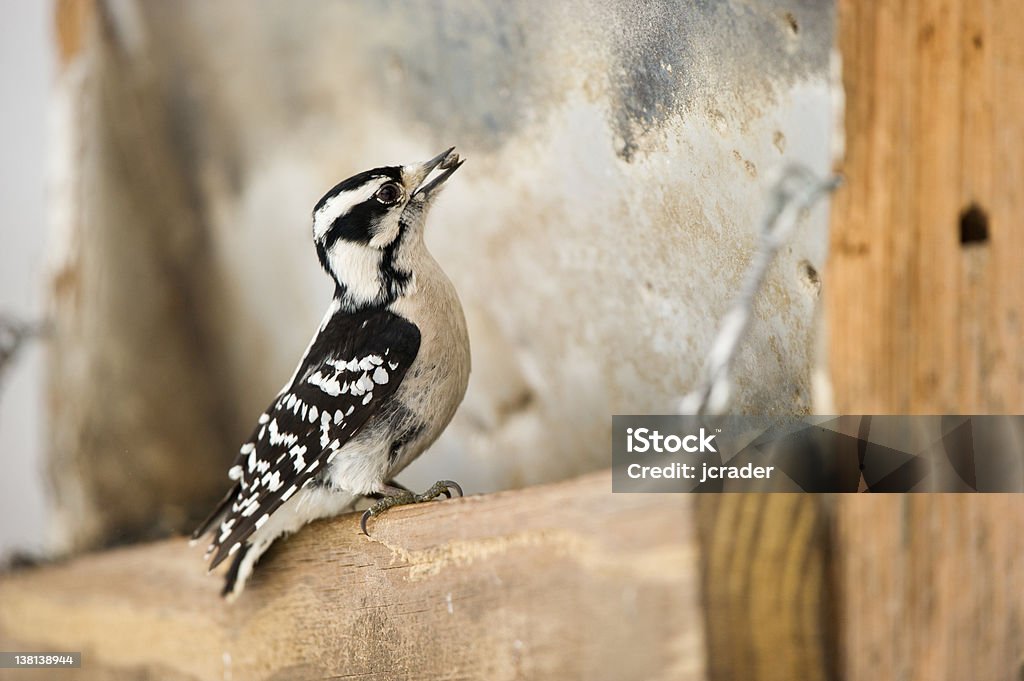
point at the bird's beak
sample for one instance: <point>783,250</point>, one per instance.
<point>447,162</point>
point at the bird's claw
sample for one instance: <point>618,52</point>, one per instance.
<point>449,485</point>
<point>445,487</point>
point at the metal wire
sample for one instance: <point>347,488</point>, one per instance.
<point>796,191</point>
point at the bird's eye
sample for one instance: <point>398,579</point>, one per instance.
<point>389,194</point>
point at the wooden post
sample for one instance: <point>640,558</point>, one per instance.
<point>139,423</point>
<point>924,290</point>
<point>925,300</point>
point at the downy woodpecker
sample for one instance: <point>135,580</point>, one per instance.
<point>379,382</point>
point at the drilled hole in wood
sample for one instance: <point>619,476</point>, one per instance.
<point>973,225</point>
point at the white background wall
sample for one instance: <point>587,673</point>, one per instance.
<point>26,74</point>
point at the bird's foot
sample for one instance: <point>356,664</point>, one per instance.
<point>402,497</point>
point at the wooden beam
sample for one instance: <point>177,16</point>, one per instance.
<point>933,587</point>
<point>128,308</point>
<point>559,581</point>
<point>925,300</point>
<point>922,321</point>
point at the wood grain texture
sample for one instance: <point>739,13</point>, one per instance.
<point>931,586</point>
<point>919,322</point>
<point>768,595</point>
<point>565,581</point>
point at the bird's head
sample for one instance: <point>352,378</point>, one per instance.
<point>368,228</point>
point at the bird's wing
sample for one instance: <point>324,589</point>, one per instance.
<point>354,364</point>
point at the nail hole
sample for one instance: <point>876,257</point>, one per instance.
<point>973,225</point>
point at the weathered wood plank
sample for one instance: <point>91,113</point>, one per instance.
<point>922,322</point>
<point>561,581</point>
<point>924,297</point>
<point>933,587</point>
<point>140,425</point>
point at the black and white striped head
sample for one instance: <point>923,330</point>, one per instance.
<point>362,226</point>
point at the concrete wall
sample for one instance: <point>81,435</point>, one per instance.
<point>619,154</point>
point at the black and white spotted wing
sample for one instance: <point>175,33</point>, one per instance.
<point>355,363</point>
